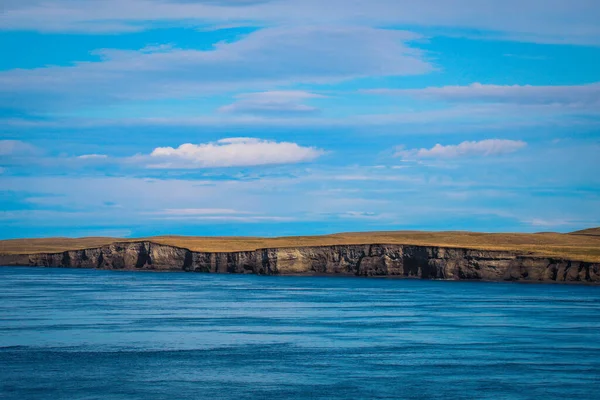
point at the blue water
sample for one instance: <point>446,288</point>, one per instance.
<point>87,334</point>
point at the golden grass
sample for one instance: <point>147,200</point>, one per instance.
<point>53,245</point>
<point>590,231</point>
<point>582,247</point>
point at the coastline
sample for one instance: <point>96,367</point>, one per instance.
<point>372,260</point>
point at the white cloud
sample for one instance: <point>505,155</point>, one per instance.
<point>526,56</point>
<point>489,147</point>
<point>551,223</point>
<point>556,21</point>
<point>229,218</point>
<point>92,157</point>
<point>585,95</point>
<point>216,215</point>
<point>231,152</point>
<point>251,219</point>
<point>276,103</point>
<point>371,177</point>
<point>200,211</point>
<point>263,60</point>
<point>360,215</point>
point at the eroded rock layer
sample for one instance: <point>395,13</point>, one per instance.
<point>357,260</point>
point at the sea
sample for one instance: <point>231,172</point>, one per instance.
<point>91,334</point>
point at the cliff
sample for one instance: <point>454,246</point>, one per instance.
<point>426,262</point>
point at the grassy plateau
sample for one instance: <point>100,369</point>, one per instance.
<point>581,245</point>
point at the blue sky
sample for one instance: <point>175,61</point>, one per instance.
<point>283,117</point>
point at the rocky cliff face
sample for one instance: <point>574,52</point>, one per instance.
<point>357,260</point>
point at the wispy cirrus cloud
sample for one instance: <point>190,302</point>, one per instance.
<point>361,196</point>
<point>264,59</point>
<point>585,95</point>
<point>16,148</point>
<point>489,147</point>
<point>556,21</point>
<point>199,211</point>
<point>460,117</point>
<point>216,215</point>
<point>273,103</point>
<point>92,157</point>
<point>231,152</point>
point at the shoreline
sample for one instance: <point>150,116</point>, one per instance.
<point>373,260</point>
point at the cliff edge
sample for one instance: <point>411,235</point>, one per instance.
<point>394,260</point>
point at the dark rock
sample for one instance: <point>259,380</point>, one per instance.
<point>423,262</point>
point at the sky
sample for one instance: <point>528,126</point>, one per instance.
<point>136,118</point>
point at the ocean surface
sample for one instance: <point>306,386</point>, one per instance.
<point>88,334</point>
